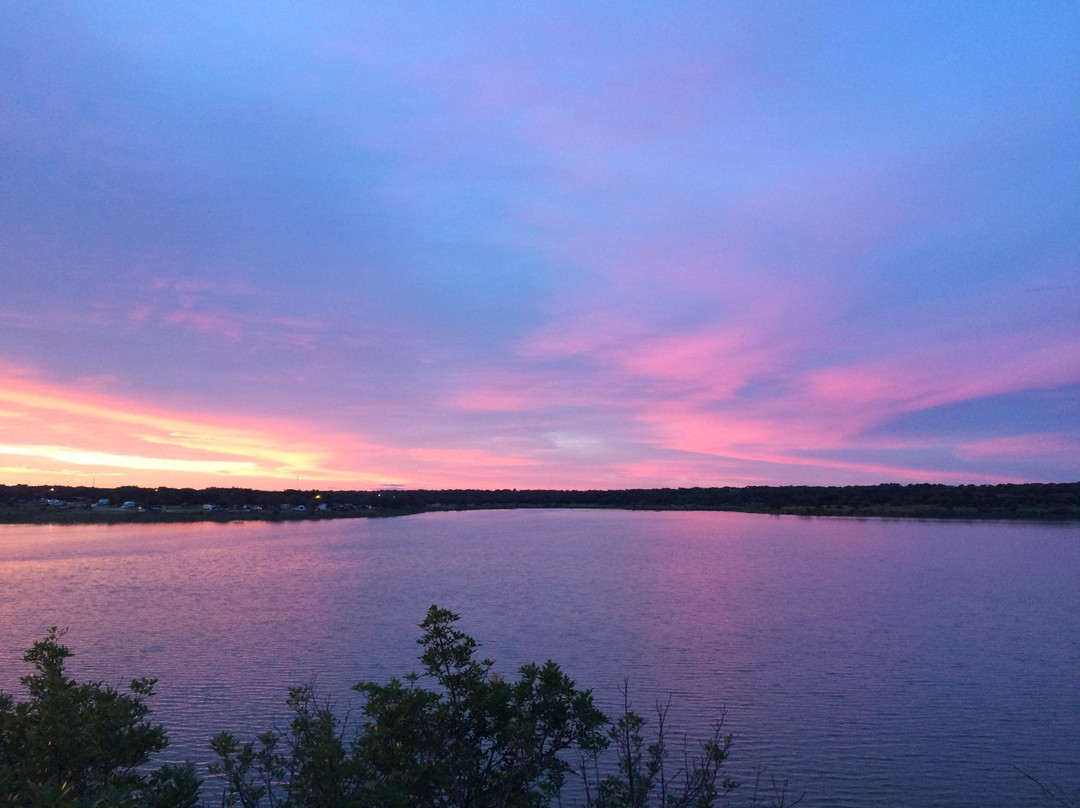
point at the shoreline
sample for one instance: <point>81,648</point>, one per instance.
<point>72,517</point>
<point>59,505</point>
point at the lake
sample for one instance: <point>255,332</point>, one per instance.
<point>872,662</point>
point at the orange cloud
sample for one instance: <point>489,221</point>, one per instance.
<point>75,433</point>
<point>63,428</point>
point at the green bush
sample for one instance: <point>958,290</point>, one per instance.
<point>458,735</point>
<point>71,745</point>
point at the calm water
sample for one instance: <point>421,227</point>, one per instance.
<point>874,663</point>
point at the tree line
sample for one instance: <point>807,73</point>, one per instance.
<point>1017,501</point>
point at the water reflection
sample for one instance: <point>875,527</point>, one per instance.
<point>874,662</point>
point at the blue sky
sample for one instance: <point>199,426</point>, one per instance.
<point>552,245</point>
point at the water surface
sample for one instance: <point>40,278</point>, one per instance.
<point>872,662</point>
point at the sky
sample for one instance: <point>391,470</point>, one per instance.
<point>539,245</point>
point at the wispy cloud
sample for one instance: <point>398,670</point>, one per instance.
<point>539,247</point>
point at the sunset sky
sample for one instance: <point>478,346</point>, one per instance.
<point>551,245</point>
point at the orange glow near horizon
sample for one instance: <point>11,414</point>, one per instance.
<point>80,436</point>
<point>84,435</point>
<point>52,433</point>
<point>529,280</point>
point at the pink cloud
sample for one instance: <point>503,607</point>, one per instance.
<point>540,389</point>
<point>66,430</point>
<point>140,314</point>
<point>837,208</point>
<point>828,410</point>
<point>260,332</point>
<point>689,430</point>
<point>882,472</point>
<point>681,392</point>
<point>209,323</point>
<point>687,472</point>
<point>1022,447</point>
<point>787,445</point>
<point>702,367</point>
<point>871,392</point>
<point>18,319</point>
<point>490,401</point>
<point>453,459</point>
<point>581,334</point>
<point>193,288</point>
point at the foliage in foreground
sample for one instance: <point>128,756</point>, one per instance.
<point>72,745</point>
<point>472,739</point>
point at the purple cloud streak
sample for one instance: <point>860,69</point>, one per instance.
<point>569,247</point>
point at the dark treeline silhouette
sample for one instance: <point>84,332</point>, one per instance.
<point>28,503</point>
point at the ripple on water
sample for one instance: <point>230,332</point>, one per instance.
<point>874,663</point>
